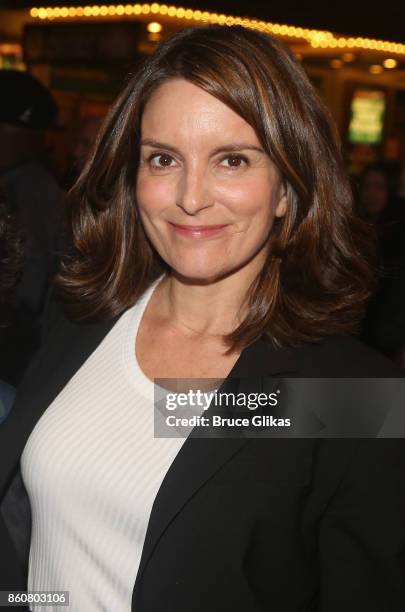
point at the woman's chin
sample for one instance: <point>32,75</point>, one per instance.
<point>198,274</point>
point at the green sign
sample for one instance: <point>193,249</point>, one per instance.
<point>367,117</point>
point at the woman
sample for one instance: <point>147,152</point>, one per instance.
<point>213,238</point>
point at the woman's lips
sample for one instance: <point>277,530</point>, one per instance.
<point>198,231</point>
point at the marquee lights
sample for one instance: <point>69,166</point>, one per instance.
<point>316,38</point>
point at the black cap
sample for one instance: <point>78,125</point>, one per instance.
<point>25,101</point>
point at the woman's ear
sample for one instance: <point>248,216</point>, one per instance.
<point>281,208</point>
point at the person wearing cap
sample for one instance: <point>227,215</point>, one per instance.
<point>27,110</point>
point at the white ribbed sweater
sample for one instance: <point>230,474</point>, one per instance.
<point>92,469</point>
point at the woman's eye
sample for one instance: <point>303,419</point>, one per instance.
<point>161,160</point>
<point>234,161</point>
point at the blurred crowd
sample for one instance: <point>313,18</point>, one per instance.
<point>32,234</point>
<point>380,200</point>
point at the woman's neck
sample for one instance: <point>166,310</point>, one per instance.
<point>201,309</point>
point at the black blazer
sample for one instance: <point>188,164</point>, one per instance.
<point>283,525</point>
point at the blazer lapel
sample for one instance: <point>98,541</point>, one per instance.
<point>199,458</point>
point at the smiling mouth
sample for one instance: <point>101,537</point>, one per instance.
<point>197,231</point>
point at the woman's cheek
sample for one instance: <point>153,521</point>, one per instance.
<point>153,193</point>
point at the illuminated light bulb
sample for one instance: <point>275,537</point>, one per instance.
<point>180,12</point>
<point>154,8</point>
<point>79,11</point>
<point>188,14</point>
<point>145,9</point>
<point>64,12</point>
<point>390,63</point>
<point>72,12</point>
<point>336,63</point>
<point>103,10</point>
<point>120,9</point>
<point>375,69</point>
<point>95,11</point>
<point>283,30</point>
<point>230,21</point>
<point>87,11</point>
<point>171,11</point>
<point>111,10</point>
<point>348,57</point>
<point>197,15</point>
<point>154,27</point>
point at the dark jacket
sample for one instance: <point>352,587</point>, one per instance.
<point>7,395</point>
<point>37,201</point>
<point>290,525</point>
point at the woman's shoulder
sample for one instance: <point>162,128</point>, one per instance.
<point>345,356</point>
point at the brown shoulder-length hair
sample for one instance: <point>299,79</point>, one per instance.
<point>316,278</point>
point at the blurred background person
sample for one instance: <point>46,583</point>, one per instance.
<point>27,110</point>
<point>85,136</point>
<point>377,190</point>
<point>380,204</point>
<point>11,262</point>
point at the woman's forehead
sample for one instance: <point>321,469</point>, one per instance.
<point>181,109</point>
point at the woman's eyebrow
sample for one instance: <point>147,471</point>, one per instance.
<point>150,142</point>
<point>237,146</point>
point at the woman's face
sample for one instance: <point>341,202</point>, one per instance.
<point>207,192</point>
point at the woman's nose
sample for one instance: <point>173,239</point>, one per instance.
<point>193,192</point>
